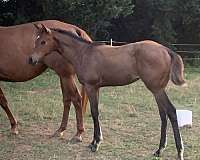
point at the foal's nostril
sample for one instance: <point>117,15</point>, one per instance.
<point>30,60</point>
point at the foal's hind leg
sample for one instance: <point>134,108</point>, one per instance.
<point>164,102</point>
<point>163,137</point>
<point>4,104</point>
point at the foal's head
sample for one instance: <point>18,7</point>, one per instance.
<point>44,44</point>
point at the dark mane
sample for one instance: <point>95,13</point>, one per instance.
<point>72,35</point>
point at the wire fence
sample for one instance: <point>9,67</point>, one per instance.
<point>189,52</point>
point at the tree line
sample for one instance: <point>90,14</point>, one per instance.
<point>166,21</point>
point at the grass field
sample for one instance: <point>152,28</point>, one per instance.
<point>129,118</point>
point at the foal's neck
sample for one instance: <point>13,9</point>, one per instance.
<point>71,48</point>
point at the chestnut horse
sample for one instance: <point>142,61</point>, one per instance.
<point>16,46</point>
<point>103,65</point>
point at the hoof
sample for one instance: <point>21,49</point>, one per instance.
<point>180,158</point>
<point>14,131</point>
<point>94,147</point>
<point>57,134</point>
<point>76,139</point>
<point>90,146</point>
<point>180,155</point>
<point>157,153</point>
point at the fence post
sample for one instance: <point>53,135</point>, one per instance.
<point>111,42</point>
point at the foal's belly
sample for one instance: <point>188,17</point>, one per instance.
<point>119,79</point>
<point>119,71</point>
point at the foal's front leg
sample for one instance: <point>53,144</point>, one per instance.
<point>93,95</point>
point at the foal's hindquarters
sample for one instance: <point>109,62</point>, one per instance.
<point>155,68</point>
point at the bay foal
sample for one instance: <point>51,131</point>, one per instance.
<point>102,65</point>
<point>16,46</point>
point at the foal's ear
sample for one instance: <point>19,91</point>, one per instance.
<point>37,26</point>
<point>44,28</point>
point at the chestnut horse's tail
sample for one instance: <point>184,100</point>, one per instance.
<point>84,100</point>
<point>84,35</point>
<point>177,68</point>
<point>84,96</point>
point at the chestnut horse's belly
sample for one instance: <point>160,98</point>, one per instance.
<point>20,74</point>
<point>14,64</point>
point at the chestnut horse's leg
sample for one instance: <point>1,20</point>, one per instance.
<point>93,95</point>
<point>67,104</point>
<point>69,90</point>
<point>4,104</point>
<point>71,94</point>
<point>164,102</point>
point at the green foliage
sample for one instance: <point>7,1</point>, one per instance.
<point>124,20</point>
<point>188,28</point>
<point>95,16</point>
<point>162,27</point>
<point>7,12</point>
<point>164,21</point>
<point>177,20</point>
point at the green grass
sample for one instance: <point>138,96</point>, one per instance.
<point>129,118</point>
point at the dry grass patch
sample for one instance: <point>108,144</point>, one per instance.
<point>129,118</point>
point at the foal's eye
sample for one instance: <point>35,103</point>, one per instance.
<point>43,42</point>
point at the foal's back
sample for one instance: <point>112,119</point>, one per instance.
<point>123,65</point>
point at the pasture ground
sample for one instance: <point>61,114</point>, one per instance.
<point>129,118</point>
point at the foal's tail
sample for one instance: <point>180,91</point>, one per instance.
<point>177,68</point>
